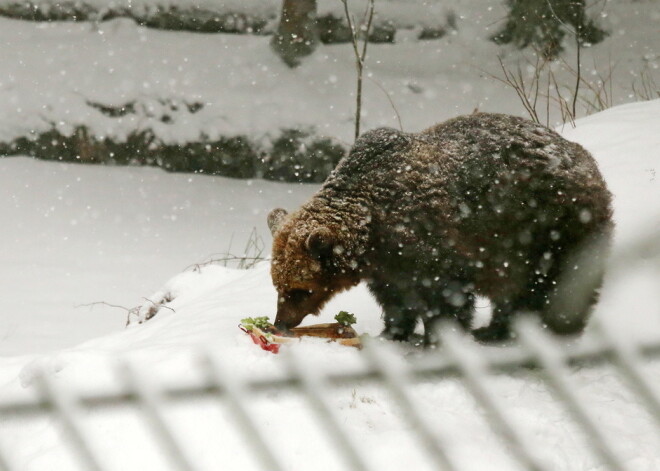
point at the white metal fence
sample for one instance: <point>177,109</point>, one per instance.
<point>536,353</point>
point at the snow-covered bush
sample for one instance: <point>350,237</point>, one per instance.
<point>299,155</point>
<point>294,155</point>
<point>205,17</point>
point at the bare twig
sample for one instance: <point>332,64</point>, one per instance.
<point>370,12</point>
<point>647,89</point>
<point>578,77</point>
<point>578,45</point>
<point>547,101</point>
<point>565,25</point>
<point>242,261</point>
<point>252,254</point>
<point>517,82</point>
<point>389,98</point>
<point>134,311</point>
<point>160,304</point>
<point>103,303</point>
<point>601,91</point>
<point>594,95</point>
<point>564,108</point>
<point>155,307</point>
<point>359,56</point>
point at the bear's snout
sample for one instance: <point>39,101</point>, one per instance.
<point>288,317</point>
<point>296,304</point>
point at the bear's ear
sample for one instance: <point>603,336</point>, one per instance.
<point>275,218</point>
<point>320,243</point>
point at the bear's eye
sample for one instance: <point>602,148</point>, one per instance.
<point>296,295</point>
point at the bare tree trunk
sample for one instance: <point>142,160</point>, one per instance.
<point>297,33</point>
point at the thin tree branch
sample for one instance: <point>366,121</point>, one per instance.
<point>370,9</point>
<point>579,74</point>
<point>359,57</point>
<point>103,303</point>
<point>389,98</point>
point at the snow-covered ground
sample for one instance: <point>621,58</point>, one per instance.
<point>82,234</point>
<point>79,234</point>
<point>128,230</point>
<point>208,304</point>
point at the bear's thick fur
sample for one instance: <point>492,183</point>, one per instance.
<point>486,204</point>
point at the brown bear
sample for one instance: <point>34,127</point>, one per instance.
<point>485,204</point>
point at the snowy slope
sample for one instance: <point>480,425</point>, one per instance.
<point>80,234</point>
<point>402,13</point>
<point>209,303</point>
<point>626,142</point>
<point>52,72</point>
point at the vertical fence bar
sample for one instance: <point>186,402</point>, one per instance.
<point>475,372</point>
<point>394,381</point>
<point>65,407</point>
<point>235,393</point>
<point>151,401</point>
<point>312,386</point>
<point>549,357</point>
<point>4,464</point>
<point>627,360</point>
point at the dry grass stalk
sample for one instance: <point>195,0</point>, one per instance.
<point>253,253</point>
<point>645,87</point>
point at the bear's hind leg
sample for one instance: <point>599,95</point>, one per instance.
<point>565,296</point>
<point>570,303</point>
<point>532,300</point>
<point>543,298</point>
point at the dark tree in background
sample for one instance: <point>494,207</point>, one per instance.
<point>297,34</point>
<point>542,24</point>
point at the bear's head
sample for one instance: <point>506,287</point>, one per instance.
<point>308,265</point>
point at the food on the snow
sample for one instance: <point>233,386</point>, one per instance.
<point>266,335</point>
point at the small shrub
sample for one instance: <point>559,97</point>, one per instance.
<point>232,157</point>
<point>432,33</point>
<point>297,156</point>
<point>542,24</point>
<point>171,17</point>
<point>333,30</point>
<point>345,318</point>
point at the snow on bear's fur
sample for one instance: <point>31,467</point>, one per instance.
<point>485,204</point>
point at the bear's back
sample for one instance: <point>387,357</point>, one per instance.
<point>466,153</point>
<point>474,176</point>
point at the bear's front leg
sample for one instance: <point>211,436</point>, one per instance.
<point>451,304</point>
<point>399,324</point>
<point>499,329</point>
<point>401,308</point>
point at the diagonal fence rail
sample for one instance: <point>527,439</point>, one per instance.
<point>536,354</point>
